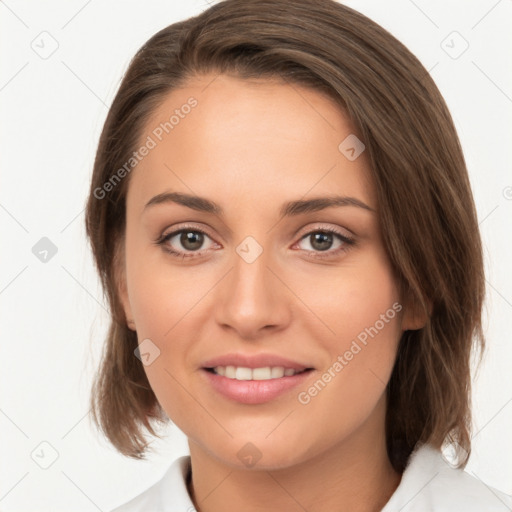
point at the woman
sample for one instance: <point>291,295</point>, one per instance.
<point>282,220</point>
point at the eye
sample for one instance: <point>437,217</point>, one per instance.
<point>322,240</point>
<point>184,243</point>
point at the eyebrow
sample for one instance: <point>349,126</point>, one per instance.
<point>290,208</point>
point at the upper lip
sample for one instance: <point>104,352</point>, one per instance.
<point>254,361</point>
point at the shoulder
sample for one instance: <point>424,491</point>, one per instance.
<point>168,493</point>
<point>429,483</point>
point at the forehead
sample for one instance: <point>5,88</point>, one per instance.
<point>225,137</point>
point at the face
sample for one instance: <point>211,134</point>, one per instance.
<point>312,285</point>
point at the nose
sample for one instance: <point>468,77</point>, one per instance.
<point>251,299</point>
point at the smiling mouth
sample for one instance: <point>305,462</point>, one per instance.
<point>256,374</point>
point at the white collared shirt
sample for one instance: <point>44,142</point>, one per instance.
<point>429,484</point>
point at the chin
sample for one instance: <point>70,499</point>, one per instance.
<point>258,455</point>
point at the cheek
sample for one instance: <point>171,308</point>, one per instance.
<point>360,313</point>
<point>352,298</point>
<point>165,304</point>
<point>160,295</point>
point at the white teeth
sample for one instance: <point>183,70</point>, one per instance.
<point>243,373</point>
<point>276,372</point>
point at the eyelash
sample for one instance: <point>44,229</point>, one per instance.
<point>347,241</point>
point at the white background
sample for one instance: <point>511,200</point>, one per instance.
<point>53,316</point>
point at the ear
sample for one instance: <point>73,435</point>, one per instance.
<point>120,283</point>
<point>415,316</point>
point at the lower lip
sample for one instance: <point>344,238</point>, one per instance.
<point>254,391</point>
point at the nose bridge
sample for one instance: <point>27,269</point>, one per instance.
<point>251,298</point>
<point>249,281</point>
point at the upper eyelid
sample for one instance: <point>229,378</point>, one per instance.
<point>175,231</point>
<point>318,227</point>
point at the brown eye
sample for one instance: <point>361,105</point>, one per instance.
<point>186,243</point>
<point>321,241</point>
<point>191,240</point>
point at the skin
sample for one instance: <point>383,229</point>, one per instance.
<point>250,146</point>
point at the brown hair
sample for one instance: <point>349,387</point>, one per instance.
<point>426,209</point>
